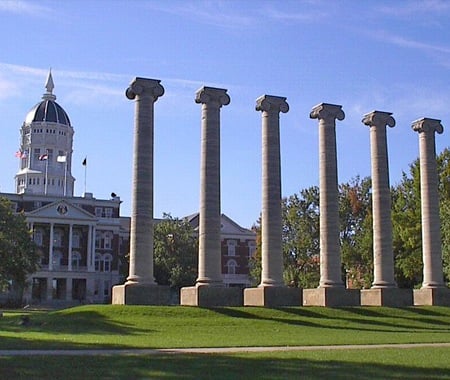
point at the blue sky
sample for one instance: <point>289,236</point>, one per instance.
<point>390,56</point>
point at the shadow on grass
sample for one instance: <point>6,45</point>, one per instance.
<point>366,319</point>
<point>208,367</point>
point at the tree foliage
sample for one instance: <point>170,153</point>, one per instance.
<point>175,252</point>
<point>18,254</point>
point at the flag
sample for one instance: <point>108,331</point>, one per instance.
<point>61,159</point>
<point>20,154</point>
<point>84,163</point>
<point>43,157</point>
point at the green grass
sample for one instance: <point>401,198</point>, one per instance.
<point>110,326</point>
<point>431,363</point>
<point>169,327</point>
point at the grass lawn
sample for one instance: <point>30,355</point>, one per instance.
<point>110,326</point>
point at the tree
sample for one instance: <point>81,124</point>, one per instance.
<point>18,253</point>
<point>175,252</point>
<point>356,238</point>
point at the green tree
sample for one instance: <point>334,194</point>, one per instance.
<point>356,238</point>
<point>18,253</point>
<point>300,238</point>
<point>175,252</point>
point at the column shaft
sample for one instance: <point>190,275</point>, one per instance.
<point>145,92</point>
<point>381,199</point>
<point>271,220</point>
<point>210,255</point>
<point>431,235</point>
<point>330,257</point>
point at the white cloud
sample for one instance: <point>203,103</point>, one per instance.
<point>408,8</point>
<point>23,7</point>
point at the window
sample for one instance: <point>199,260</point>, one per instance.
<point>76,239</point>
<point>58,238</point>
<point>97,262</point>
<point>36,154</point>
<point>106,288</point>
<point>231,266</point>
<point>251,248</point>
<point>107,240</point>
<point>98,212</point>
<point>76,260</point>
<point>107,260</point>
<point>56,261</point>
<point>108,212</point>
<point>231,247</point>
<point>38,237</point>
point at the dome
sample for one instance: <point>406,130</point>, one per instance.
<point>47,110</point>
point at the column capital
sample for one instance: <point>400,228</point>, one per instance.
<point>144,87</point>
<point>427,125</point>
<point>327,111</point>
<point>270,103</point>
<point>378,119</point>
<point>208,95</point>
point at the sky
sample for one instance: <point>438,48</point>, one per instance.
<point>391,56</point>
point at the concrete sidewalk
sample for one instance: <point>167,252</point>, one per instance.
<point>212,350</point>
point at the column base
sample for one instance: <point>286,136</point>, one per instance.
<point>331,297</point>
<point>210,296</point>
<point>432,297</point>
<point>272,296</point>
<point>140,294</point>
<point>392,297</point>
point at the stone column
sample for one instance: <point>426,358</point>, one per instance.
<point>69,259</point>
<point>209,289</point>
<point>433,291</point>
<point>271,222</point>
<point>145,92</point>
<point>384,290</point>
<point>210,257</point>
<point>331,290</point>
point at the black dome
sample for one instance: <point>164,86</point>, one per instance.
<point>48,110</point>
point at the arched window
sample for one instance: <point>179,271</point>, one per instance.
<point>231,266</point>
<point>107,261</point>
<point>76,260</point>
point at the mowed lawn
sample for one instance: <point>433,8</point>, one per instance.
<point>108,326</point>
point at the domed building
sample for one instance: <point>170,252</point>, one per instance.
<point>46,149</point>
<point>81,240</point>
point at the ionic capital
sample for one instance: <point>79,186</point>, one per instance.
<point>269,103</point>
<point>427,125</point>
<point>327,112</point>
<point>379,119</point>
<point>212,95</point>
<point>144,87</point>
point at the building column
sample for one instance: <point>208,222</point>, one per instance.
<point>50,248</point>
<point>210,254</point>
<point>90,249</point>
<point>384,291</point>
<point>331,291</point>
<point>145,92</point>
<point>271,220</point>
<point>69,259</point>
<point>433,291</point>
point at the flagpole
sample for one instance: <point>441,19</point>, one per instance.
<point>65,175</point>
<point>85,173</point>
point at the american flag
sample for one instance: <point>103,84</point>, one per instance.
<point>20,154</point>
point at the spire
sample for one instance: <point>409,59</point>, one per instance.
<point>49,85</point>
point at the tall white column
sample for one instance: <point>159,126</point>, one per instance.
<point>69,258</point>
<point>330,256</point>
<point>383,257</point>
<point>210,257</point>
<point>271,223</point>
<point>145,92</point>
<point>50,248</point>
<point>431,236</point>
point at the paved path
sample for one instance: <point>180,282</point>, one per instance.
<point>216,350</point>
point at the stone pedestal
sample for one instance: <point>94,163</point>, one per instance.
<point>432,297</point>
<point>140,294</point>
<point>211,296</point>
<point>331,297</point>
<point>272,296</point>
<point>392,297</point>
